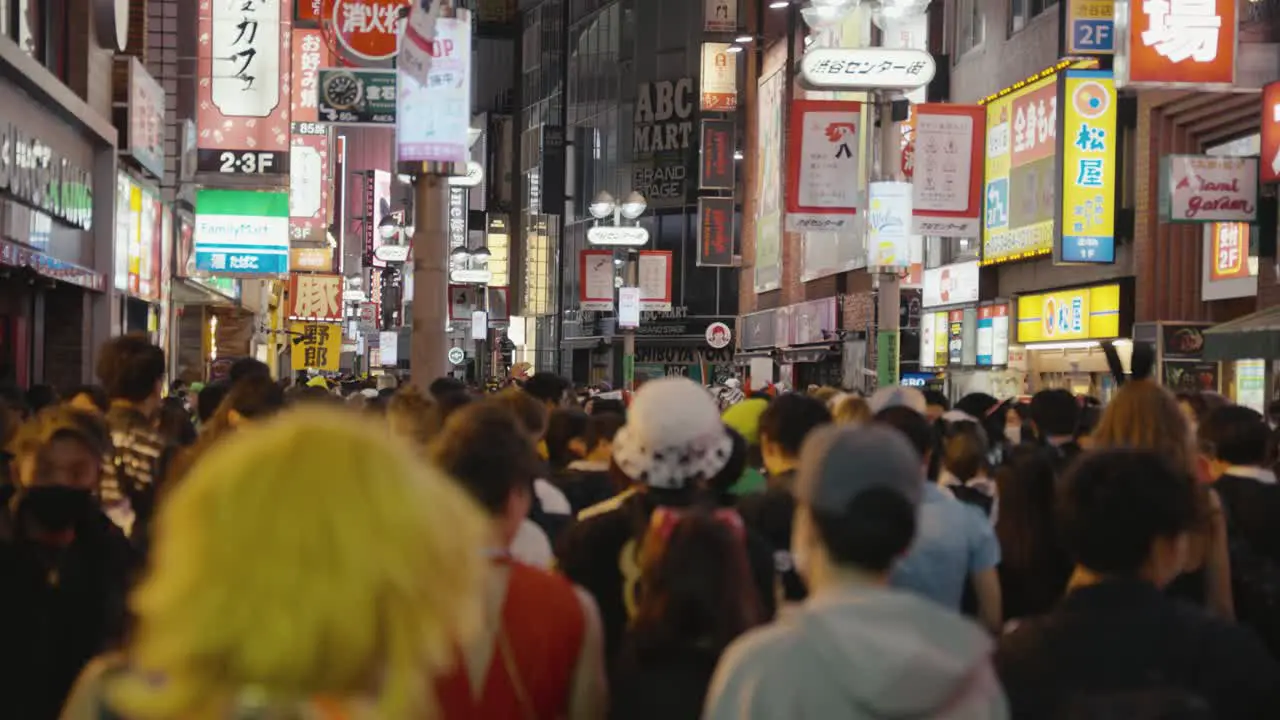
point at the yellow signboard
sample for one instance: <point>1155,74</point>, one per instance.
<point>1091,313</point>
<point>1088,167</point>
<point>315,345</point>
<point>1021,160</point>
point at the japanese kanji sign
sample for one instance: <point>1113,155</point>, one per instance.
<point>243,112</point>
<point>1230,251</point>
<point>1086,218</point>
<point>309,55</point>
<point>315,297</point>
<point>309,183</point>
<point>866,69</point>
<point>146,118</point>
<point>822,159</point>
<point>357,97</point>
<point>716,246</point>
<point>315,346</point>
<point>1021,172</point>
<point>370,29</point>
<point>1270,169</point>
<point>947,190</point>
<point>436,115</point>
<point>717,163</point>
<point>1173,43</point>
<point>719,78</point>
<point>1090,27</point>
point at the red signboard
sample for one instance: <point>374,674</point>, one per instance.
<point>1035,125</point>
<point>309,197</point>
<point>715,237</point>
<point>315,297</point>
<point>370,29</point>
<point>718,149</point>
<point>1269,167</point>
<point>309,55</point>
<point>1180,43</point>
<point>1230,252</point>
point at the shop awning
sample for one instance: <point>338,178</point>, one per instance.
<point>809,353</point>
<point>192,293</point>
<point>1252,337</point>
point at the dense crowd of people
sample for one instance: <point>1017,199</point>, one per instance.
<point>366,550</point>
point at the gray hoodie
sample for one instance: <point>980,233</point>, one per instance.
<point>864,653</point>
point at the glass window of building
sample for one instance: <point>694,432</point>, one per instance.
<point>971,25</point>
<point>1022,12</point>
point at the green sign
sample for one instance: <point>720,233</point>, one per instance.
<point>886,357</point>
<point>629,372</point>
<point>349,96</point>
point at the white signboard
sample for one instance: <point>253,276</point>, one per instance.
<point>389,347</point>
<point>394,254</point>
<point>889,225</point>
<point>597,281</point>
<point>719,78</point>
<point>457,355</point>
<point>623,236</point>
<point>907,33</point>
<point>306,175</point>
<point>951,284</point>
<point>944,174</point>
<point>246,70</point>
<point>653,275</point>
<point>928,346</point>
<point>628,307</point>
<point>479,325</point>
<point>433,118</point>
<point>866,69</point>
<point>473,178</point>
<point>821,175</point>
<point>1203,188</point>
<point>720,16</point>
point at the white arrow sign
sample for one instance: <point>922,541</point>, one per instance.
<point>866,69</point>
<point>626,236</point>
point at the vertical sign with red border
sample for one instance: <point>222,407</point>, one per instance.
<point>715,233</point>
<point>653,271</point>
<point>717,166</point>
<point>948,151</point>
<point>822,155</point>
<point>1269,167</point>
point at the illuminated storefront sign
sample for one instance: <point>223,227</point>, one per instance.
<point>1090,313</point>
<point>1173,43</point>
<point>1087,213</point>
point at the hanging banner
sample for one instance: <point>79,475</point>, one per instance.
<point>888,225</point>
<point>1208,188</point>
<point>718,163</point>
<point>947,149</point>
<point>463,300</point>
<point>653,276</point>
<point>144,139</point>
<point>1176,44</point>
<point>316,346</point>
<point>595,281</point>
<point>715,234</point>
<point>1090,27</point>
<point>1270,172</point>
<point>309,55</point>
<point>315,297</point>
<point>767,274</point>
<point>822,158</point>
<point>719,78</point>
<point>309,184</point>
<point>435,116</point>
<point>243,94</point>
<point>1021,172</point>
<point>720,16</point>
<point>1086,218</point>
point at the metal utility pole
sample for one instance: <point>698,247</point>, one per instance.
<point>429,347</point>
<point>887,168</point>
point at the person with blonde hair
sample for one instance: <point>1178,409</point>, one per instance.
<point>315,563</point>
<point>1142,415</point>
<point>851,410</point>
<point>414,416</point>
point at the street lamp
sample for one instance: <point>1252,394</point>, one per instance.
<point>629,237</point>
<point>470,267</point>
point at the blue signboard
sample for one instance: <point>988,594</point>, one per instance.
<point>1091,27</point>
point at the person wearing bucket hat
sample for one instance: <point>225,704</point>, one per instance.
<point>858,648</point>
<point>673,453</point>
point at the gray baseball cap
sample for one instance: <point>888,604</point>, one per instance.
<point>840,462</point>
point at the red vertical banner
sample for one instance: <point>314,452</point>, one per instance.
<point>309,195</point>
<point>947,148</point>
<point>309,55</point>
<point>1269,168</point>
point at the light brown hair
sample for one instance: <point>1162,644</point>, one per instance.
<point>851,410</point>
<point>1145,416</point>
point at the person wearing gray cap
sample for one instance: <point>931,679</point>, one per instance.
<point>858,649</point>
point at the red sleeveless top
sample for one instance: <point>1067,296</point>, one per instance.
<point>543,628</point>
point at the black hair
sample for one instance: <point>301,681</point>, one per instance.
<point>934,397</point>
<point>608,406</point>
<point>254,397</point>
<point>445,385</point>
<point>601,428</point>
<point>488,451</point>
<point>246,368</point>
<point>875,529</point>
<point>1025,527</point>
<point>979,405</point>
<point>1114,503</point>
<point>1236,435</point>
<point>130,367</point>
<point>95,393</point>
<point>41,396</point>
<point>210,397</point>
<point>910,423</point>
<point>1055,412</point>
<point>547,387</point>
<point>175,424</point>
<point>564,426</point>
<point>790,418</point>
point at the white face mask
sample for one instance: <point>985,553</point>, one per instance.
<point>1013,434</point>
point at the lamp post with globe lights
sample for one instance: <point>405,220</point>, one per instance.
<point>471,267</point>
<point>630,238</point>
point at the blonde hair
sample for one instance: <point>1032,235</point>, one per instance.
<point>313,557</point>
<point>413,415</point>
<point>851,410</point>
<point>1145,416</point>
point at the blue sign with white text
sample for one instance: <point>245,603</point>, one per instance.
<point>1093,36</point>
